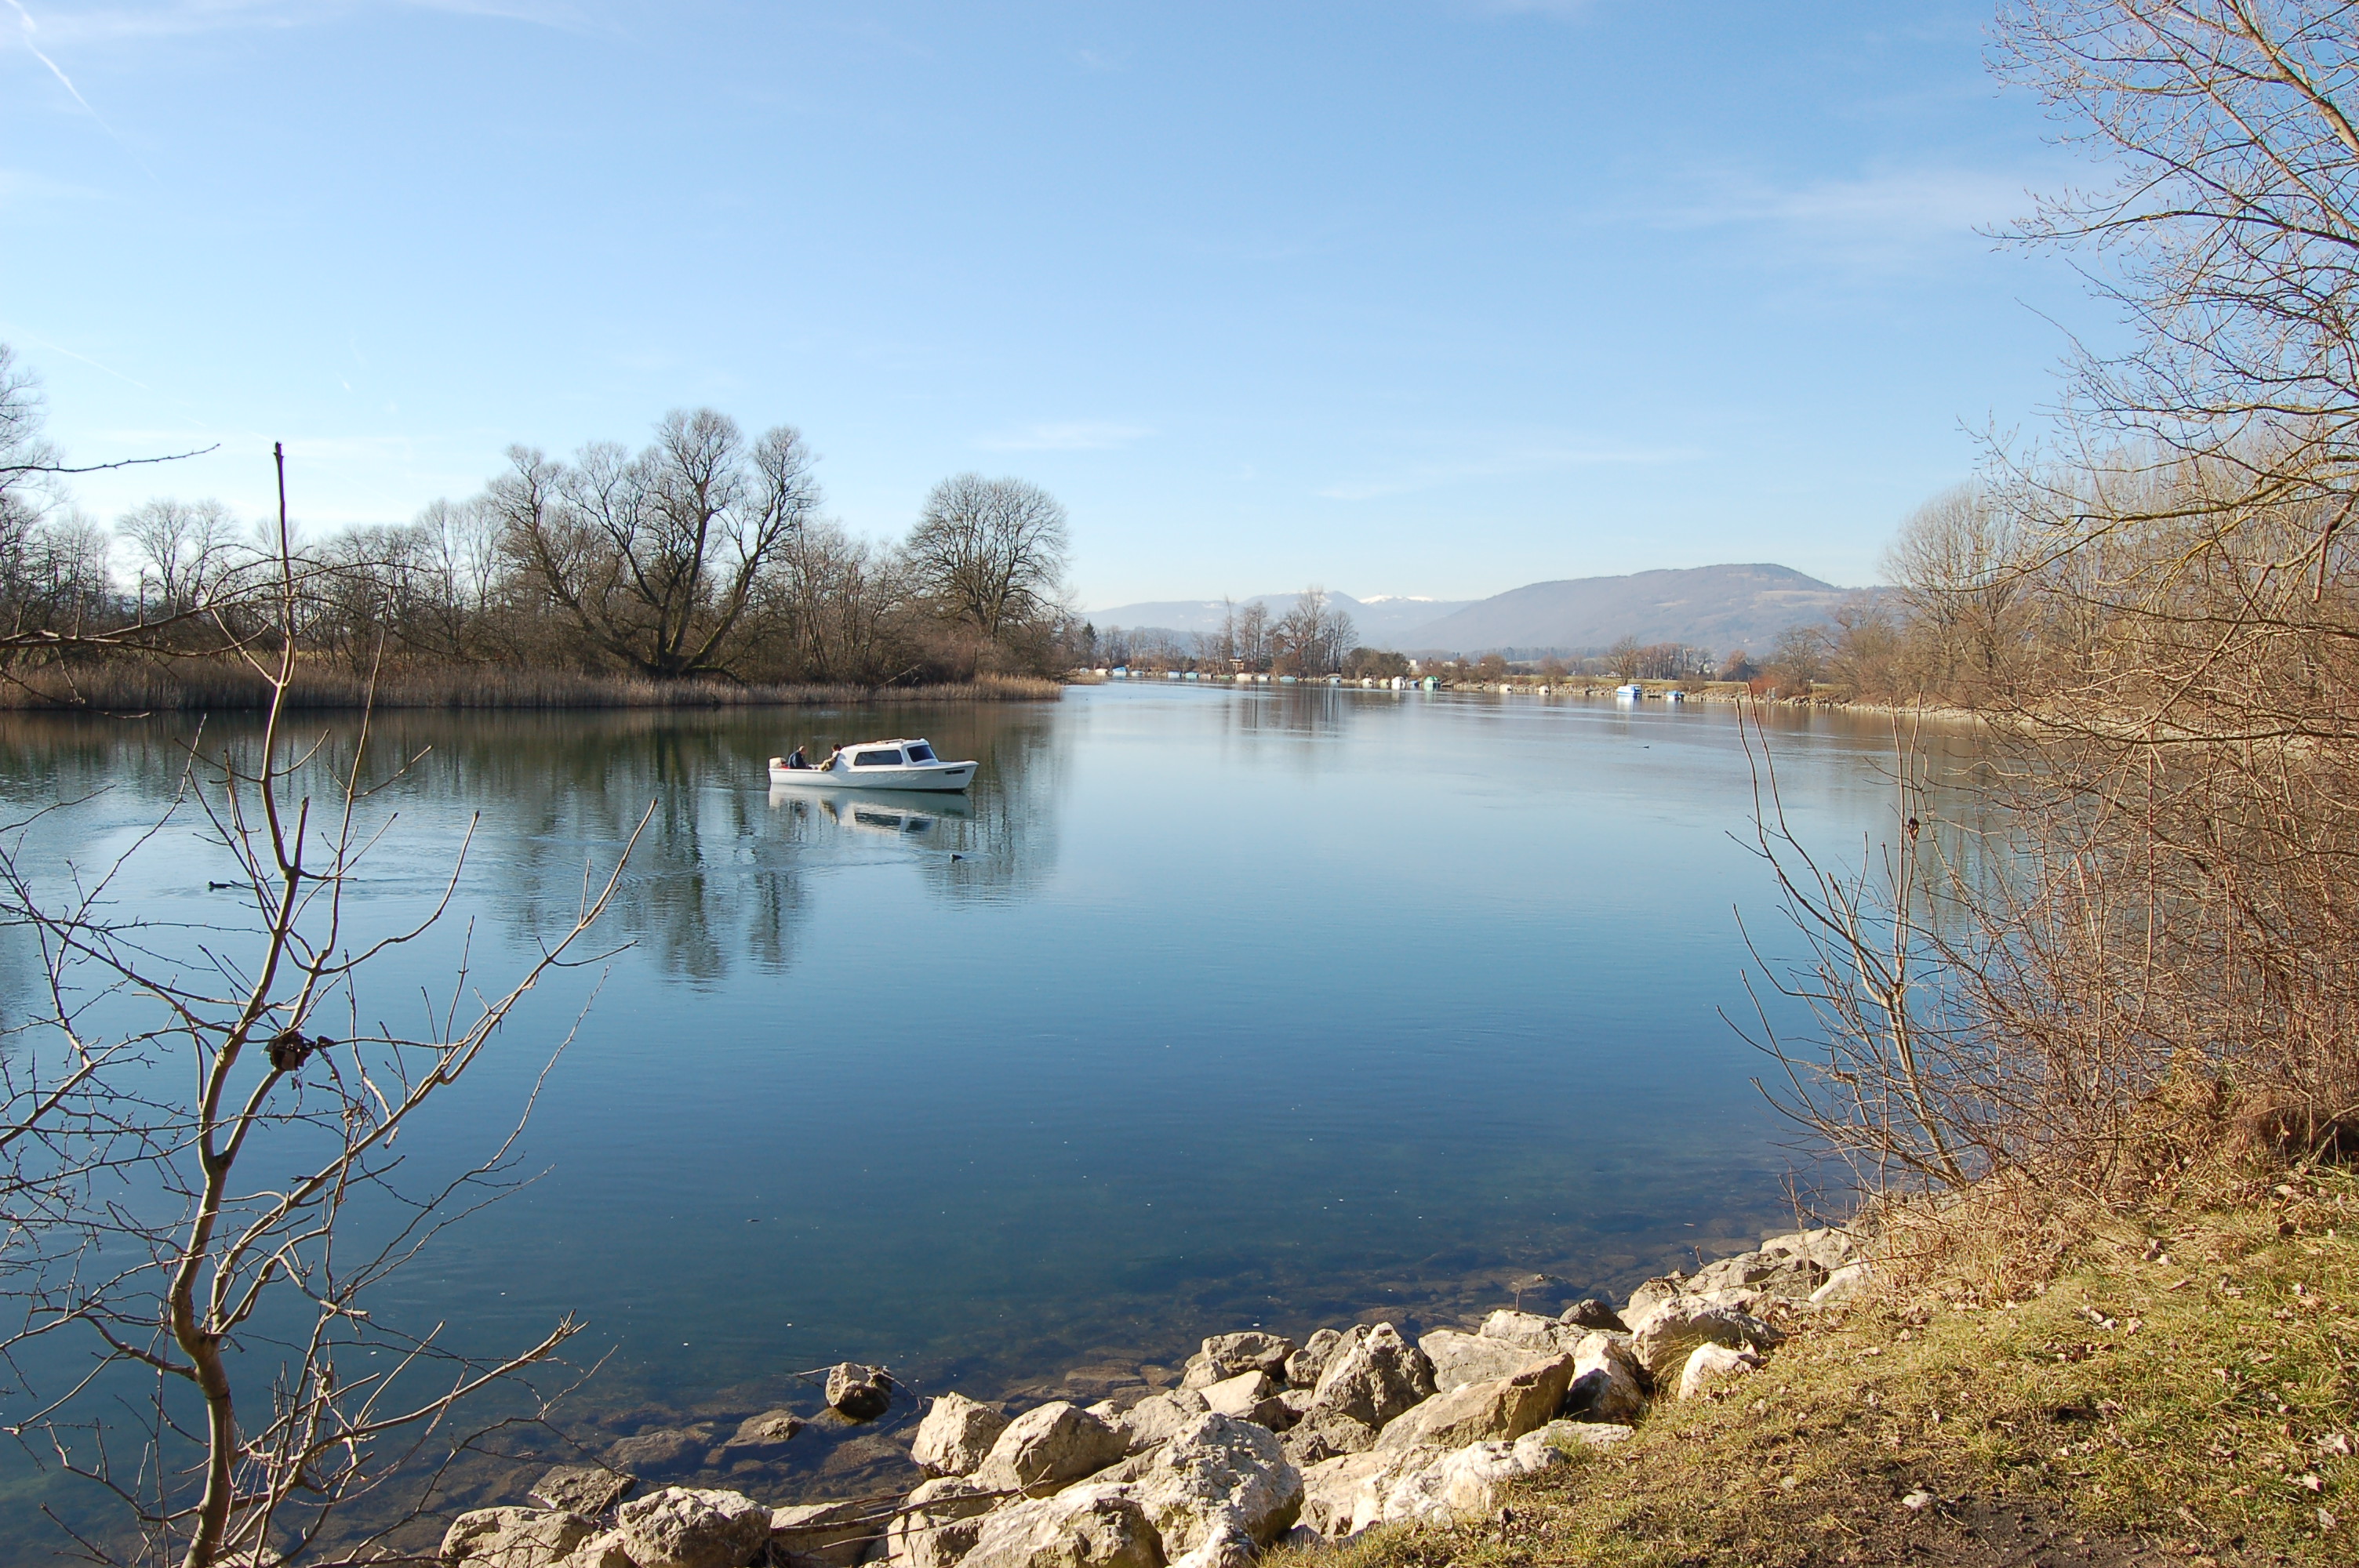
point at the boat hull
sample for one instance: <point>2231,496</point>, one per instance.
<point>937,778</point>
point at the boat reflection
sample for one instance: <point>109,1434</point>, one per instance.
<point>881,811</point>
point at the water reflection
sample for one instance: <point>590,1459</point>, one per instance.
<point>1207,1010</point>
<point>721,877</point>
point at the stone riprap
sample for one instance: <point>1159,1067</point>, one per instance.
<point>1261,1440</point>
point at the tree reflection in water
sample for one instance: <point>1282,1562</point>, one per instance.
<point>720,877</point>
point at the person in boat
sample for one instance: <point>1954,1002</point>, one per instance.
<point>795,760</point>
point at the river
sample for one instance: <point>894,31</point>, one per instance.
<point>1208,1010</point>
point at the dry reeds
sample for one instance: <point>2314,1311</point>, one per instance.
<point>193,686</point>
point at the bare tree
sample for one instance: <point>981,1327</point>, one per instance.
<point>185,551</point>
<point>991,552</point>
<point>229,1264</point>
<point>656,557</point>
<point>837,606</point>
<point>1314,637</point>
<point>1253,635</point>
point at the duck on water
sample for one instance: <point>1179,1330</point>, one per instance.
<point>875,764</point>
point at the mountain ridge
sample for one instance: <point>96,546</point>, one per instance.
<point>1723,607</point>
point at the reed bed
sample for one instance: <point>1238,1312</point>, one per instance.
<point>196,686</point>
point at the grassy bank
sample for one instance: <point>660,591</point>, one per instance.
<point>2177,1385</point>
<point>211,684</point>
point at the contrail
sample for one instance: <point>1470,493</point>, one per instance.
<point>66,82</point>
<point>63,80</point>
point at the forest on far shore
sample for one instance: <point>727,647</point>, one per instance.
<point>704,556</point>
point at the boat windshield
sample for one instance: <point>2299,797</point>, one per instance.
<point>921,752</point>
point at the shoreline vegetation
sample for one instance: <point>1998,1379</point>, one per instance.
<point>123,689</point>
<point>1967,1382</point>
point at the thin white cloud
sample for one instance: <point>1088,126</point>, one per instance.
<point>100,26</point>
<point>1082,437</point>
<point>1897,203</point>
<point>1506,459</point>
<point>1566,9</point>
<point>29,29</point>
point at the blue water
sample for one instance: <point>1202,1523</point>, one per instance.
<point>1209,1009</point>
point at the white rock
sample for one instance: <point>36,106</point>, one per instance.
<point>1606,1385</point>
<point>944,1519</point>
<point>1462,1483</point>
<point>823,1535</point>
<point>1652,1294</point>
<point>1571,1437</point>
<point>1346,1495</point>
<point>1460,1358</point>
<point>603,1551</point>
<point>1372,1375</point>
<point>1156,1418</point>
<point>1044,1449</point>
<point>686,1527</point>
<point>1374,1378</point>
<point>1842,1285</point>
<point>514,1537</point>
<point>956,1436</point>
<point>1709,1365</point>
<point>1302,1368</point>
<point>1499,1411</point>
<point>1216,1478</point>
<point>1665,1333</point>
<point>1531,1330</point>
<point>1081,1527</point>
<point>1243,1395</point>
<point>1225,1356</point>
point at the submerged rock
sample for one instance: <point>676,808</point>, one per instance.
<point>764,1434</point>
<point>583,1488</point>
<point>658,1451</point>
<point>858,1392</point>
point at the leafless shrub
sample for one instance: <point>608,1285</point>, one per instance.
<point>201,1177</point>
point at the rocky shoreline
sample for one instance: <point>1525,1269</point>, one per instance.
<point>1257,1440</point>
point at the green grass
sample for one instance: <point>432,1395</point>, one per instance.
<point>2178,1387</point>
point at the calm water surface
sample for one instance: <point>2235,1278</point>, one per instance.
<point>1207,1010</point>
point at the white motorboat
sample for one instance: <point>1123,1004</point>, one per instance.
<point>877,764</point>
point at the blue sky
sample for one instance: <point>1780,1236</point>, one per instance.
<point>1433,297</point>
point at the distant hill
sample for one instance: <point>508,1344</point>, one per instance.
<point>1720,608</point>
<point>1380,621</point>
